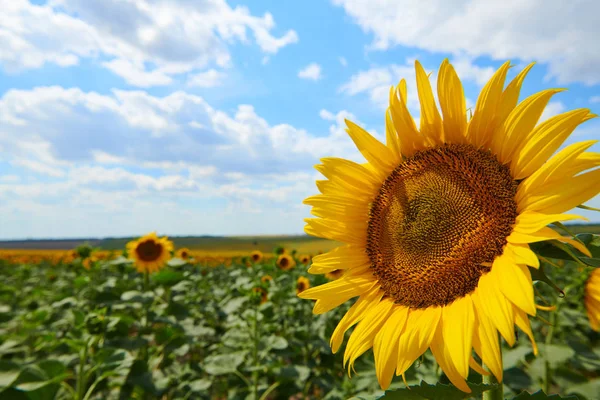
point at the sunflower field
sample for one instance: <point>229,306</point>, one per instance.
<point>90,325</point>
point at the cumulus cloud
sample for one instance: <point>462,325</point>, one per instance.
<point>562,35</point>
<point>311,72</point>
<point>206,79</point>
<point>144,42</point>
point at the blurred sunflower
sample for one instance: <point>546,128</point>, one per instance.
<point>305,259</point>
<point>262,293</point>
<point>266,278</point>
<point>285,262</point>
<point>335,274</point>
<point>256,256</point>
<point>149,252</point>
<point>592,299</point>
<point>302,284</point>
<point>437,223</point>
<point>183,253</point>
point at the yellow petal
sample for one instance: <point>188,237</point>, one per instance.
<point>343,257</point>
<point>385,346</point>
<point>452,103</point>
<point>545,140</point>
<point>522,321</point>
<point>350,232</point>
<point>363,335</point>
<point>332,294</point>
<point>353,174</point>
<point>421,325</point>
<point>355,314</point>
<point>431,121</point>
<point>375,152</point>
<point>561,196</point>
<point>532,221</point>
<point>485,340</point>
<point>457,332</point>
<point>411,141</point>
<point>546,234</point>
<point>522,254</point>
<point>515,282</point>
<point>518,126</point>
<point>484,121</point>
<point>495,306</point>
<point>559,163</point>
<point>441,352</point>
<point>391,137</point>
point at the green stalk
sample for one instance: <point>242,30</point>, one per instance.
<point>548,342</point>
<point>81,375</point>
<point>255,372</point>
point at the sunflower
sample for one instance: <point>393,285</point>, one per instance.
<point>305,259</point>
<point>437,223</point>
<point>335,274</point>
<point>302,284</point>
<point>266,278</point>
<point>262,293</point>
<point>183,253</point>
<point>285,262</point>
<point>256,256</point>
<point>592,299</point>
<point>149,252</point>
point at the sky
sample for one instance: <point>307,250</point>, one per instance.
<point>206,117</point>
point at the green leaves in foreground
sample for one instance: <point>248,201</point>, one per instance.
<point>425,391</point>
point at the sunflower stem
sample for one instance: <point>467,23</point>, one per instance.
<point>548,342</point>
<point>255,372</point>
<point>497,393</point>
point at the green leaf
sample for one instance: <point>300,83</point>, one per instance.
<point>435,392</point>
<point>223,363</point>
<point>167,277</point>
<point>540,395</point>
<point>9,371</point>
<point>200,384</point>
<point>298,373</point>
<point>277,343</point>
<point>590,390</point>
<point>556,354</point>
<point>232,305</point>
<point>176,262</point>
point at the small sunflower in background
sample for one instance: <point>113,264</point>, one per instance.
<point>256,256</point>
<point>335,274</point>
<point>266,278</point>
<point>437,223</point>
<point>592,299</point>
<point>149,252</point>
<point>302,284</point>
<point>304,259</point>
<point>285,262</point>
<point>261,293</point>
<point>183,253</point>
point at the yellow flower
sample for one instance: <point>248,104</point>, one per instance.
<point>149,252</point>
<point>592,299</point>
<point>305,259</point>
<point>256,256</point>
<point>262,292</point>
<point>302,284</point>
<point>285,262</point>
<point>266,278</point>
<point>438,221</point>
<point>183,253</point>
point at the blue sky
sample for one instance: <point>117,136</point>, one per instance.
<point>195,117</point>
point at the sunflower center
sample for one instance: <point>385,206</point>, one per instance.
<point>149,250</point>
<point>284,262</point>
<point>438,216</point>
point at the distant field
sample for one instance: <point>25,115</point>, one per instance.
<point>225,246</point>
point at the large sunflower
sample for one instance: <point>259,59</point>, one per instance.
<point>150,252</point>
<point>437,223</point>
<point>592,299</point>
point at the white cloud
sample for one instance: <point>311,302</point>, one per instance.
<point>311,71</point>
<point>553,108</point>
<point>206,79</point>
<point>343,61</point>
<point>595,99</point>
<point>143,42</point>
<point>563,35</point>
